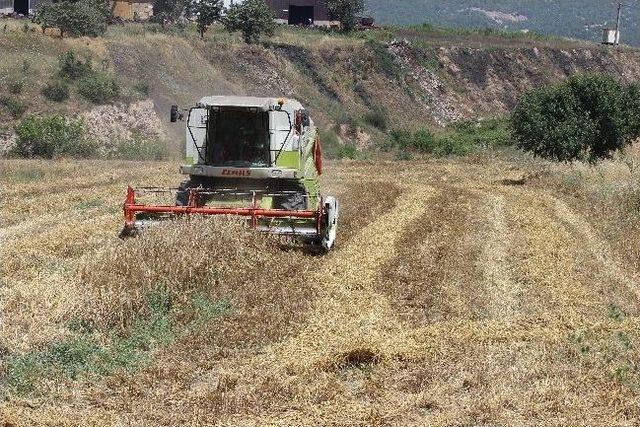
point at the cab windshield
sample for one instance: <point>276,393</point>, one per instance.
<point>238,138</point>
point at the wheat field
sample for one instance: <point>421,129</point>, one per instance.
<point>460,293</point>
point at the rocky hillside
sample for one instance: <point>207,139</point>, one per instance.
<point>415,79</point>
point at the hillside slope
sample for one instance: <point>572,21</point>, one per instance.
<point>582,19</point>
<point>420,79</point>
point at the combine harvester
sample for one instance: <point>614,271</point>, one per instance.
<point>257,158</point>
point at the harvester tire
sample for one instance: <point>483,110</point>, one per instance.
<point>182,195</point>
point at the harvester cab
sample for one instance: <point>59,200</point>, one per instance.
<point>257,158</point>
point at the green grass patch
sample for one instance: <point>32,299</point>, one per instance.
<point>433,30</point>
<point>14,106</point>
<point>616,313</point>
<point>142,88</point>
<point>90,204</point>
<point>457,139</point>
<point>403,156</point>
<point>85,354</point>
<point>330,143</point>
<point>22,175</point>
<point>140,148</point>
<point>348,151</point>
<point>384,59</point>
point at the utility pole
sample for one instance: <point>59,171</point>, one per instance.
<point>617,40</point>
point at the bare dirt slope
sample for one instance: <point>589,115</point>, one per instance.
<point>453,298</point>
<point>420,78</point>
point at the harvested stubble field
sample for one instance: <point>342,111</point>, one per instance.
<point>459,294</point>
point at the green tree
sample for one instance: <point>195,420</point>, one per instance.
<point>632,108</point>
<point>587,118</point>
<point>253,18</point>
<point>346,11</point>
<point>169,11</point>
<point>75,18</point>
<point>206,12</point>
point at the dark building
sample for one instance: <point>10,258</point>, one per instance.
<point>22,7</point>
<point>300,12</point>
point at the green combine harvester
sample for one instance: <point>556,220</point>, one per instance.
<point>256,158</point>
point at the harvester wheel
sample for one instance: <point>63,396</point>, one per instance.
<point>332,212</point>
<point>128,231</point>
<point>182,195</point>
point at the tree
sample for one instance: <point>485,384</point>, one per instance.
<point>346,11</point>
<point>253,18</point>
<point>587,118</point>
<point>168,11</point>
<point>76,18</point>
<point>206,12</point>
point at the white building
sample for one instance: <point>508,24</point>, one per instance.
<point>228,3</point>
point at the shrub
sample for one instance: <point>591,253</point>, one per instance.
<point>52,136</point>
<point>587,118</point>
<point>385,60</point>
<point>348,151</point>
<point>56,91</point>
<point>15,107</point>
<point>423,140</point>
<point>487,133</point>
<point>72,67</point>
<point>99,88</point>
<point>346,11</point>
<point>15,87</point>
<point>330,143</point>
<point>399,138</point>
<point>377,118</point>
<point>142,88</point>
<point>253,18</point>
<point>76,18</point>
<point>456,139</point>
<point>450,146</point>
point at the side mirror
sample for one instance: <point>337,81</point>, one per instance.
<point>175,114</point>
<point>306,122</point>
<point>298,124</point>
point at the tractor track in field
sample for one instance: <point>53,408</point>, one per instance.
<point>510,268</point>
<point>349,317</point>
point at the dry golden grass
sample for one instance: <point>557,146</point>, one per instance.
<point>451,299</point>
